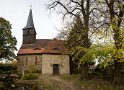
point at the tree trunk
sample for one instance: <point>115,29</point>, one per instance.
<point>84,74</point>
<point>117,72</point>
<point>117,64</point>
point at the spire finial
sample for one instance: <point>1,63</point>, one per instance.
<point>30,6</point>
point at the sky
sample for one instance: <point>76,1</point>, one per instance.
<point>17,11</point>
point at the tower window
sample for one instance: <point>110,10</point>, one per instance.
<point>27,31</point>
<point>36,61</point>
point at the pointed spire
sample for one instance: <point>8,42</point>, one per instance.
<point>30,23</point>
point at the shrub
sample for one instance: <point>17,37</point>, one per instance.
<point>7,67</point>
<point>29,76</point>
<point>8,81</point>
<point>33,69</point>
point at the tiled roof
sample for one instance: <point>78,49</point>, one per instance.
<point>43,46</point>
<point>29,51</point>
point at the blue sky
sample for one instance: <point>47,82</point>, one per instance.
<point>16,11</point>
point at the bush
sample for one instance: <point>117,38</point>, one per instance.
<point>29,76</point>
<point>33,69</point>
<point>8,81</point>
<point>4,67</point>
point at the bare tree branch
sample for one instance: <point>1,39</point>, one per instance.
<point>75,2</point>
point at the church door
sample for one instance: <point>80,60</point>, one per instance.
<point>55,69</point>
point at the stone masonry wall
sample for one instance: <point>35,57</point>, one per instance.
<point>48,61</point>
<point>30,63</point>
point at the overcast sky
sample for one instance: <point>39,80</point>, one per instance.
<point>17,11</point>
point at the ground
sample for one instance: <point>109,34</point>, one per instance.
<point>72,82</point>
<point>64,82</point>
<point>59,82</point>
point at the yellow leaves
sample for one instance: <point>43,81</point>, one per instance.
<point>118,55</point>
<point>99,32</point>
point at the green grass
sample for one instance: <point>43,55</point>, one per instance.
<point>29,76</point>
<point>99,84</point>
<point>69,77</point>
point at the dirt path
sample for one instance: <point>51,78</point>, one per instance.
<point>64,85</point>
<point>60,83</point>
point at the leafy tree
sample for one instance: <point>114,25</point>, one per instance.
<point>7,41</point>
<point>101,52</point>
<point>78,43</point>
<point>114,11</point>
<point>81,56</point>
<point>75,37</point>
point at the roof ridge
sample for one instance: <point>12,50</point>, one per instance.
<point>44,39</point>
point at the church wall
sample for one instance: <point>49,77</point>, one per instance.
<point>49,60</point>
<point>29,62</point>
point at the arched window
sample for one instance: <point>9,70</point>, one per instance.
<point>26,61</point>
<point>36,61</point>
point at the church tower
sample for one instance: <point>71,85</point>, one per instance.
<point>29,33</point>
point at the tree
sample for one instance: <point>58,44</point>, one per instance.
<point>115,11</point>
<point>7,41</point>
<point>74,37</point>
<point>76,8</point>
<point>77,42</point>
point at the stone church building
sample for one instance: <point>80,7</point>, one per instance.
<point>47,56</point>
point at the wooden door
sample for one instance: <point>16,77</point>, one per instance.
<point>55,69</point>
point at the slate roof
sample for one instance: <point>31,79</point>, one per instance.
<point>30,23</point>
<point>43,46</point>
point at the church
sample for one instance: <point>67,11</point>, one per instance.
<point>47,56</point>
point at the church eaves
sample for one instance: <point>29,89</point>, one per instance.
<point>30,23</point>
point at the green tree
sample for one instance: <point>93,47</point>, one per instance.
<point>115,12</point>
<point>7,41</point>
<point>75,38</point>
